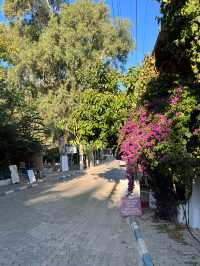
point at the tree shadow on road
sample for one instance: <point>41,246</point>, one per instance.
<point>115,174</point>
<point>56,212</point>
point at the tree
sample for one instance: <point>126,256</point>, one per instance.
<point>73,48</point>
<point>31,16</point>
<point>97,117</point>
<point>130,78</point>
<point>78,49</point>
<point>180,30</point>
<point>21,130</point>
<point>138,79</point>
<point>56,51</point>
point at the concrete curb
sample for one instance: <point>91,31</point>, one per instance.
<point>5,193</point>
<point>62,177</point>
<point>146,257</point>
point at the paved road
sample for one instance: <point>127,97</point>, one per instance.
<point>75,222</point>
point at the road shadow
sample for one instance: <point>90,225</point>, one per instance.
<point>115,174</point>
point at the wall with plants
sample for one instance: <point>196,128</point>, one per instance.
<point>162,135</point>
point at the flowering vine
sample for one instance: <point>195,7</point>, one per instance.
<point>140,134</point>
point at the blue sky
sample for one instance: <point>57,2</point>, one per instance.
<point>147,26</point>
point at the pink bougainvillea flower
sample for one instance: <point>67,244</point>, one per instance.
<point>174,100</point>
<point>141,137</point>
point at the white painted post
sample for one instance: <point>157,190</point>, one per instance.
<point>61,150</point>
<point>31,176</point>
<point>194,206</point>
<point>152,200</point>
<point>81,157</point>
<point>14,174</point>
<point>64,163</point>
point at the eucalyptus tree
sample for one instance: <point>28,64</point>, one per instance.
<point>80,47</point>
<point>73,48</point>
<point>55,51</point>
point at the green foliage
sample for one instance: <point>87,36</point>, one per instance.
<point>97,118</point>
<point>3,42</point>
<point>18,8</point>
<point>73,50</point>
<point>80,47</point>
<point>130,78</point>
<point>21,130</point>
<point>147,73</point>
<point>55,107</point>
<point>181,22</point>
<point>30,17</point>
<point>174,164</point>
<point>139,81</point>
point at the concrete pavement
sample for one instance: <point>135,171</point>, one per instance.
<point>75,222</point>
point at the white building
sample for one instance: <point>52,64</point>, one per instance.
<point>192,208</point>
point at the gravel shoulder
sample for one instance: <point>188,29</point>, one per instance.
<point>169,244</point>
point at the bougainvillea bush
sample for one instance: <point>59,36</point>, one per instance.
<point>163,137</point>
<point>164,147</point>
<point>139,136</point>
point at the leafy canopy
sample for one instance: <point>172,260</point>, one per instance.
<point>180,22</point>
<point>21,130</point>
<point>97,118</point>
<point>73,49</point>
<point>56,51</point>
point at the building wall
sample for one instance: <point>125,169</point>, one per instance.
<point>192,209</point>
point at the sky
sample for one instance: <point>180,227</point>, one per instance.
<point>144,24</point>
<point>145,27</point>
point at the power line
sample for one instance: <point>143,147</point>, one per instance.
<point>118,11</point>
<point>136,29</point>
<point>131,14</point>
<point>145,26</point>
<point>119,7</point>
<point>113,10</point>
<point>146,18</point>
